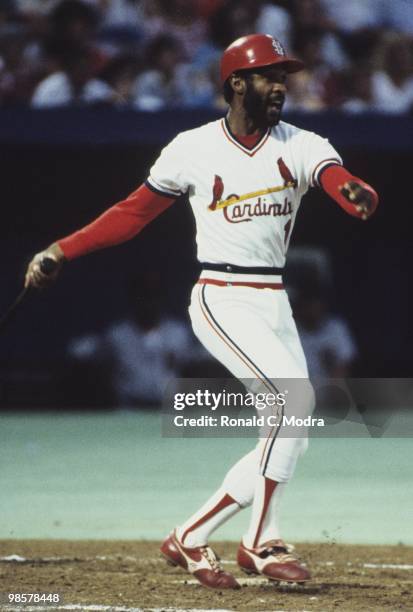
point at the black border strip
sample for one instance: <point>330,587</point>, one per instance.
<point>166,194</point>
<point>331,161</point>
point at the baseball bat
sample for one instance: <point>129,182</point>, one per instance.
<point>47,266</point>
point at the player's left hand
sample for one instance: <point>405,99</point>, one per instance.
<point>360,197</point>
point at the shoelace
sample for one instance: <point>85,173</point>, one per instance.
<point>212,559</point>
<point>282,553</point>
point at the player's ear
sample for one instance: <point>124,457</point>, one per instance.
<point>238,83</point>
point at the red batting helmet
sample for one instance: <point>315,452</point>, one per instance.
<point>255,51</point>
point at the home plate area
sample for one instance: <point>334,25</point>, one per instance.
<point>130,576</point>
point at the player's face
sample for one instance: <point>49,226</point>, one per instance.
<point>265,95</point>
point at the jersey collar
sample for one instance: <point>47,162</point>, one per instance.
<point>232,138</point>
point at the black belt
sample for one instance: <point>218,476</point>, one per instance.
<point>230,268</point>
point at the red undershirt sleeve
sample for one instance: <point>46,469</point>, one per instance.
<point>118,224</point>
<point>333,177</point>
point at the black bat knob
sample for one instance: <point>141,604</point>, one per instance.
<point>48,265</point>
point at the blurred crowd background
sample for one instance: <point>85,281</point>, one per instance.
<point>155,54</point>
<point>115,80</point>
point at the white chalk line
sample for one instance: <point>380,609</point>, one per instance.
<point>242,581</point>
<point>402,566</point>
<point>256,581</point>
<point>395,566</point>
<point>19,559</point>
<point>99,608</point>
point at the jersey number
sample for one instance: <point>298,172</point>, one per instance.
<point>287,228</point>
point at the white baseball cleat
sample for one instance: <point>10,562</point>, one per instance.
<point>272,560</point>
<point>201,562</point>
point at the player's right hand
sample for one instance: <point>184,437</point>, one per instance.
<point>37,278</point>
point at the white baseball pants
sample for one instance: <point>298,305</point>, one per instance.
<point>251,331</point>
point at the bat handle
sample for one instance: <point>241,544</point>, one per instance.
<point>48,265</point>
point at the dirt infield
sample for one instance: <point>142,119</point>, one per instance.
<point>131,575</point>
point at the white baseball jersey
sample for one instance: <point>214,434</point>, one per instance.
<point>245,200</point>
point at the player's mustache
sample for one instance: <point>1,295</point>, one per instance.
<point>278,99</point>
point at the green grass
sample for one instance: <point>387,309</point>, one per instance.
<point>112,475</point>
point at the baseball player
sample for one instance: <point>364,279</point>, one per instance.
<point>245,176</point>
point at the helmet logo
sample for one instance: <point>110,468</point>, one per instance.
<point>278,48</point>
